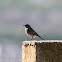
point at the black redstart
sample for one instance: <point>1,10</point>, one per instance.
<point>29,31</point>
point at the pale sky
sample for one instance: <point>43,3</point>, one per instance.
<point>44,13</point>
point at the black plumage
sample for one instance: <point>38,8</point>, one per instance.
<point>29,31</point>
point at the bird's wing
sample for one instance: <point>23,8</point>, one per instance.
<point>33,32</point>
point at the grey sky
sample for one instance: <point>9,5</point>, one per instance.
<point>45,15</point>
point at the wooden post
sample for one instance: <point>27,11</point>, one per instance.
<point>42,51</point>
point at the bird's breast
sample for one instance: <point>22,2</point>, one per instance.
<point>26,29</point>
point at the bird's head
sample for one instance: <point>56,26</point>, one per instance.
<point>26,25</point>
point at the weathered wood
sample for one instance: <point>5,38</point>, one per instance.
<point>42,51</point>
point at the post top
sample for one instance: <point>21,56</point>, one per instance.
<point>33,42</point>
<point>42,41</point>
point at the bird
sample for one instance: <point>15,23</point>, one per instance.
<point>29,31</point>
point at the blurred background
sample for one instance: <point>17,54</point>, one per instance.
<point>44,16</point>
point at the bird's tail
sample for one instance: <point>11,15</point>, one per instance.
<point>40,37</point>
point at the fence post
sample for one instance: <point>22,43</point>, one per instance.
<point>42,51</point>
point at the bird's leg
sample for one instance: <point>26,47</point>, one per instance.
<point>32,38</point>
